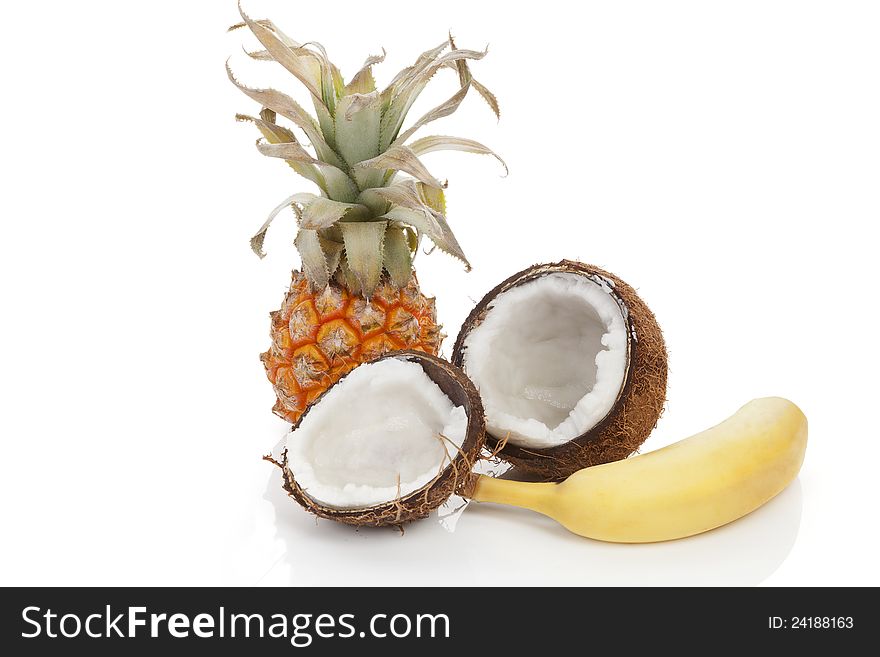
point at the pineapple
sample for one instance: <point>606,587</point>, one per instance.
<point>356,296</point>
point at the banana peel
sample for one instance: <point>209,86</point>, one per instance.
<point>689,487</point>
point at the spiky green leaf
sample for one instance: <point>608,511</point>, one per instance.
<point>434,226</point>
<point>259,55</point>
<point>398,258</point>
<point>338,81</point>
<point>265,22</point>
<point>313,69</point>
<point>331,78</point>
<point>445,143</point>
<point>345,277</point>
<point>364,252</point>
<point>372,198</point>
<point>443,109</point>
<point>289,150</point>
<point>300,62</point>
<point>290,202</point>
<point>363,81</point>
<point>314,262</point>
<point>332,252</point>
<point>323,212</point>
<point>489,97</point>
<point>411,88</point>
<point>465,77</point>
<point>422,62</point>
<point>434,198</point>
<point>338,185</point>
<point>403,192</point>
<point>412,240</point>
<point>275,134</point>
<point>357,127</point>
<point>290,109</point>
<point>401,158</point>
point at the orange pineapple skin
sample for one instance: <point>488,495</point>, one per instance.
<point>318,336</point>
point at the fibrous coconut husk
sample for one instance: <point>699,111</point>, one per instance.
<point>639,403</point>
<point>455,477</point>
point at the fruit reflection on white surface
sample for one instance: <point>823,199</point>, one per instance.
<point>490,542</point>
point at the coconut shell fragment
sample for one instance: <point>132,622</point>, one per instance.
<point>640,398</point>
<point>454,476</point>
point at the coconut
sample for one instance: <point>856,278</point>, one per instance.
<point>388,443</point>
<point>571,368</point>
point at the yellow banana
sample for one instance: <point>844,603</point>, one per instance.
<point>689,487</point>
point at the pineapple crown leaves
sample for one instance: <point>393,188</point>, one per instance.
<point>377,199</point>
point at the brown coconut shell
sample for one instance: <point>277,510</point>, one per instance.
<point>639,403</point>
<point>455,478</point>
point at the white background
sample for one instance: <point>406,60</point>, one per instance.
<point>721,157</point>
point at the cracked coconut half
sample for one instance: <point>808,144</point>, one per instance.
<point>571,367</point>
<point>356,297</point>
<point>388,443</point>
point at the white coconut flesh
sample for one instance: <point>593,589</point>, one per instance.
<point>549,359</point>
<point>384,431</point>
